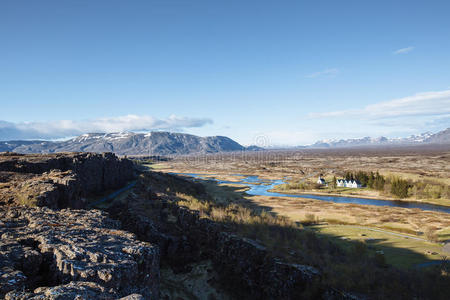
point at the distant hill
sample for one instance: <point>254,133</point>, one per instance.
<point>442,137</point>
<point>128,143</point>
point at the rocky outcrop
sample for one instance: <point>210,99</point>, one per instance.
<point>243,266</point>
<point>73,290</point>
<point>244,263</point>
<point>96,172</point>
<point>60,180</point>
<point>72,252</point>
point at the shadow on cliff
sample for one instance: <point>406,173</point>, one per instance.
<point>344,264</point>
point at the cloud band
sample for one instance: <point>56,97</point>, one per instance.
<point>67,128</point>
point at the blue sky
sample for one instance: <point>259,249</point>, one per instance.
<point>285,72</point>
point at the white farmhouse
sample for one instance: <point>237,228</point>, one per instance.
<point>348,183</point>
<point>354,184</point>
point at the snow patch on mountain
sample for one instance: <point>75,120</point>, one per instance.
<point>426,137</point>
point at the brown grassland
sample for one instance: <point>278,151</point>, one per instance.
<point>418,164</point>
<point>371,252</point>
<point>427,166</point>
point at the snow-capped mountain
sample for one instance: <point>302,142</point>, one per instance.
<point>167,143</point>
<point>442,137</point>
<point>129,143</point>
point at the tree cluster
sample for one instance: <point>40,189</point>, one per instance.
<point>399,187</point>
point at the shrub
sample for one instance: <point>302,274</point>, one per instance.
<point>431,235</point>
<point>413,191</point>
<point>433,191</point>
<point>293,186</point>
<point>334,182</point>
<point>378,182</point>
<point>399,187</point>
<point>317,186</point>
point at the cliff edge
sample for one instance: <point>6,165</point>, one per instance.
<point>60,180</point>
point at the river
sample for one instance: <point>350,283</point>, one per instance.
<point>262,187</point>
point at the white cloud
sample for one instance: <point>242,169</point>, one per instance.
<point>328,72</point>
<point>65,128</point>
<point>404,50</point>
<point>429,104</point>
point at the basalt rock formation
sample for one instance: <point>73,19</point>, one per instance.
<point>59,180</point>
<point>49,249</point>
<point>56,251</point>
<point>72,251</point>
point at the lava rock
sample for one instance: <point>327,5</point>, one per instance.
<point>44,247</point>
<point>60,180</point>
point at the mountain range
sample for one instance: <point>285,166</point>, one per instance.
<point>442,137</point>
<point>168,143</point>
<point>129,143</point>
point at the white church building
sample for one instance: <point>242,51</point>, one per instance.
<point>322,181</point>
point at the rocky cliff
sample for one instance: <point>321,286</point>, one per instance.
<point>64,252</point>
<point>60,180</point>
<point>49,254</point>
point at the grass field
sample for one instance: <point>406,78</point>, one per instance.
<point>156,166</point>
<point>394,247</point>
<point>444,234</point>
<point>416,177</point>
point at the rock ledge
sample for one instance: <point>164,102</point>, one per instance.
<point>72,251</point>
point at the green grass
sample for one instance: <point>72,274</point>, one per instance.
<point>417,177</point>
<point>399,251</point>
<point>157,166</point>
